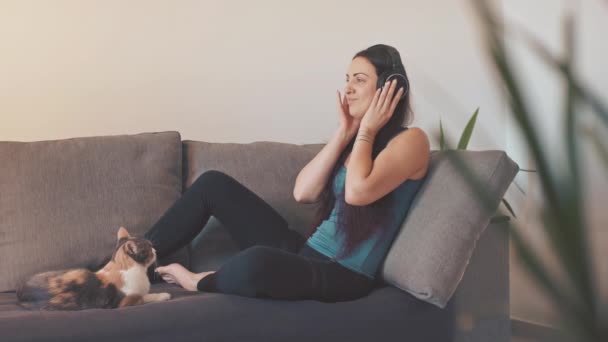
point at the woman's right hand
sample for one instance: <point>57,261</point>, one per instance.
<point>348,124</point>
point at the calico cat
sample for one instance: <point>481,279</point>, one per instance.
<point>123,281</point>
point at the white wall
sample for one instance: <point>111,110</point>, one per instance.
<point>222,71</point>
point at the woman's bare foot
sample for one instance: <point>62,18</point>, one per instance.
<point>178,274</point>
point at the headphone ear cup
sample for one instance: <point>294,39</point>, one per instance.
<point>390,76</point>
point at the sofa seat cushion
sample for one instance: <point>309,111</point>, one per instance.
<point>387,314</point>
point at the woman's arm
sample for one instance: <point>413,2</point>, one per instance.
<point>313,177</point>
<point>404,157</point>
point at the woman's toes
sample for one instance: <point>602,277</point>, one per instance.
<point>168,279</point>
<point>177,274</point>
<point>166,274</point>
<point>169,269</point>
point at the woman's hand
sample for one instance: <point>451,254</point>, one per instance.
<point>382,108</point>
<point>348,124</point>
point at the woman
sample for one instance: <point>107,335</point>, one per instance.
<point>364,180</point>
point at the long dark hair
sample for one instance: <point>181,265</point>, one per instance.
<point>358,223</point>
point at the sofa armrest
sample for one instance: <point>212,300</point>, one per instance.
<point>481,301</point>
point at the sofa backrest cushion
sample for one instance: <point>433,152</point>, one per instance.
<point>432,250</point>
<point>62,202</point>
<point>267,168</point>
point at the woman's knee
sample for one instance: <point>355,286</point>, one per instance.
<point>210,176</point>
<point>209,180</point>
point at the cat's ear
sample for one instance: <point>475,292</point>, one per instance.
<point>122,234</point>
<point>132,249</point>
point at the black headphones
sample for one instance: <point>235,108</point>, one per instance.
<point>393,73</point>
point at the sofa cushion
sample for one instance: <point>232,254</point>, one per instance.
<point>62,202</point>
<point>430,254</point>
<point>386,314</point>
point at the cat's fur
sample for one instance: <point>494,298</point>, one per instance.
<point>123,281</point>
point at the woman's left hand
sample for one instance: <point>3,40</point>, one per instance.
<point>381,109</point>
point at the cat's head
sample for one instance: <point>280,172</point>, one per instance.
<point>133,250</point>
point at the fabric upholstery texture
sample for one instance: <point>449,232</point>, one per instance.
<point>62,201</point>
<point>432,250</point>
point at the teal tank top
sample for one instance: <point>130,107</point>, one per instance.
<point>367,257</point>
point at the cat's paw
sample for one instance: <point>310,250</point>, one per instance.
<point>156,297</point>
<point>161,297</point>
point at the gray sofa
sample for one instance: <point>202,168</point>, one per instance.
<point>62,201</point>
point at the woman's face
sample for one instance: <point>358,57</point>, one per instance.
<point>360,88</point>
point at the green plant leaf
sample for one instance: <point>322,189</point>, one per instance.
<point>499,219</point>
<point>563,220</point>
<point>572,189</point>
<point>565,301</point>
<point>602,150</point>
<point>468,131</point>
<point>498,57</point>
<point>586,94</point>
<point>441,136</point>
<point>509,208</point>
<point>562,233</point>
<point>530,259</point>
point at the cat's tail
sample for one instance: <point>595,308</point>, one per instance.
<point>32,297</point>
<point>33,305</point>
<point>34,293</point>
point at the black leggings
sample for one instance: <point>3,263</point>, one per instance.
<point>273,262</point>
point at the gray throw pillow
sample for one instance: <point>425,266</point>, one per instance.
<point>62,202</point>
<point>431,252</point>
